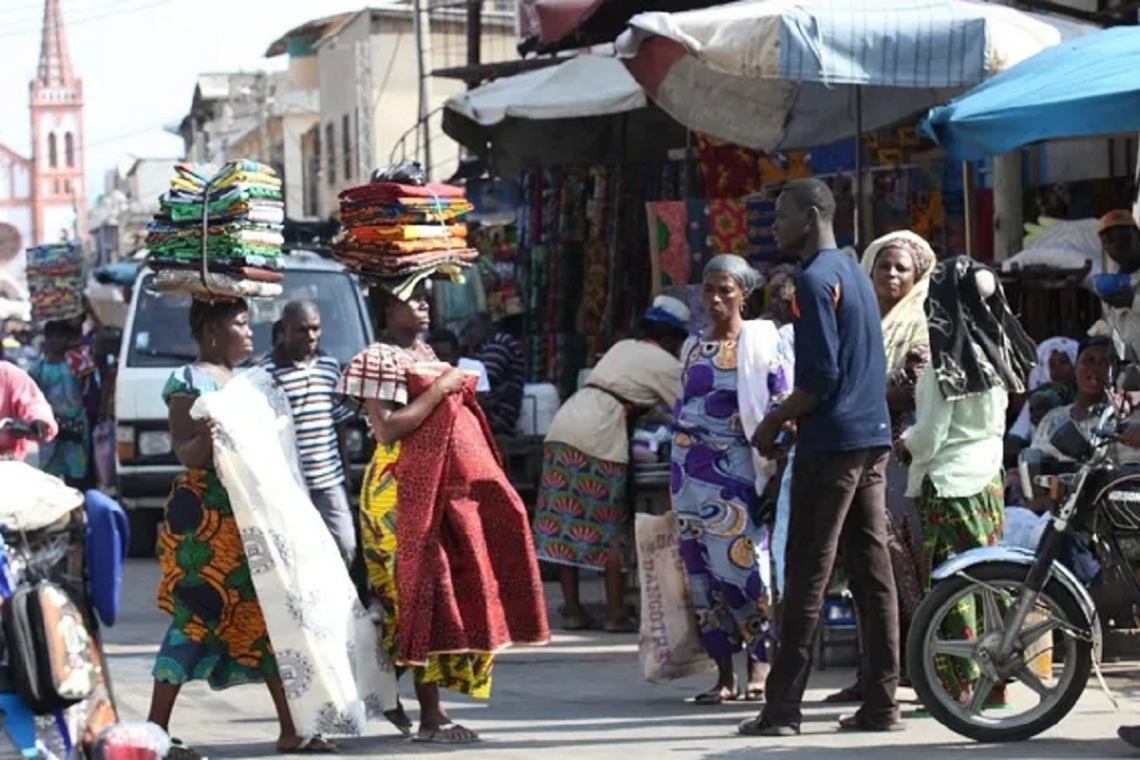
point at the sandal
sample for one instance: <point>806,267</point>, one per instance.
<point>581,622</point>
<point>448,733</point>
<point>717,696</point>
<point>752,694</point>
<point>849,696</point>
<point>310,745</point>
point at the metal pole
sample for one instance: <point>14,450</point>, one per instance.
<point>423,58</point>
<point>967,199</point>
<point>858,208</point>
<point>474,39</point>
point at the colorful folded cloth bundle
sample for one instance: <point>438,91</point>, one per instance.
<point>55,282</point>
<point>234,217</point>
<point>400,235</point>
<point>215,286</point>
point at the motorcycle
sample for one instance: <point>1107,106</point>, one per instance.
<point>43,529</point>
<point>1031,605</point>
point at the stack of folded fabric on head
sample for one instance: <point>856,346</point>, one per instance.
<point>241,213</point>
<point>55,281</point>
<point>400,235</point>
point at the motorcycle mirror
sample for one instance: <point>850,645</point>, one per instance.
<point>1130,379</point>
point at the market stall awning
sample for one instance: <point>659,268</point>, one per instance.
<point>588,109</point>
<point>1082,88</point>
<point>770,74</point>
<point>567,24</point>
<point>586,85</point>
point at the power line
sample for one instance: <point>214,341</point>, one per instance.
<point>84,20</point>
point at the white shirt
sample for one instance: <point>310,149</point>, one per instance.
<point>957,444</point>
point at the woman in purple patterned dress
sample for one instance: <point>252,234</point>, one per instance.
<point>715,478</point>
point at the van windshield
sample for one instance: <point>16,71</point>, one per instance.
<point>161,329</point>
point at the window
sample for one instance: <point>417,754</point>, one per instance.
<point>69,150</point>
<point>330,148</point>
<point>55,186</point>
<point>53,151</point>
<point>67,186</point>
<point>346,137</point>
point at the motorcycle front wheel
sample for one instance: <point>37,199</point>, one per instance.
<point>942,655</point>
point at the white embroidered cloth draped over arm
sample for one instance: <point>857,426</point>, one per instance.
<point>335,672</point>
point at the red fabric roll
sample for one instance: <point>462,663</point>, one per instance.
<point>468,577</point>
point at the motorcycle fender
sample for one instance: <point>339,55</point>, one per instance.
<point>962,563</point>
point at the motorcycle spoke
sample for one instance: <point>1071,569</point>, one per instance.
<point>1030,679</point>
<point>981,694</point>
<point>962,649</point>
<point>1031,633</point>
<point>992,617</point>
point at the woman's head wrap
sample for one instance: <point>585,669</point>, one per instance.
<point>920,251</point>
<point>736,267</point>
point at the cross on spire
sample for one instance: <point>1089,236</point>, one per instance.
<point>54,75</point>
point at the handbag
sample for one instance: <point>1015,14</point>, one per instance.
<point>50,651</point>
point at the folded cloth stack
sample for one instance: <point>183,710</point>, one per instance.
<point>55,281</point>
<point>239,210</point>
<point>401,235</point>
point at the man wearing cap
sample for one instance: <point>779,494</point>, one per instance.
<point>1120,240</point>
<point>583,517</point>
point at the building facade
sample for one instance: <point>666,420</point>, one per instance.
<point>370,90</point>
<point>43,196</point>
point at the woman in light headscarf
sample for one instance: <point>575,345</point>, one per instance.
<point>733,374</point>
<point>979,354</point>
<point>899,265</point>
<point>1055,370</point>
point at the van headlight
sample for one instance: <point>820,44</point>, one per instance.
<point>155,443</point>
<point>354,442</point>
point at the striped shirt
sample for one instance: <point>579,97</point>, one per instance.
<point>506,369</point>
<point>312,392</point>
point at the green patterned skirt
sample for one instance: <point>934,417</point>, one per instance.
<point>582,514</point>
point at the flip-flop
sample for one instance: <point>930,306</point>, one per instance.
<point>626,626</point>
<point>445,734</point>
<point>310,745</point>
<point>399,718</point>
<point>714,697</point>
<point>179,751</point>
<point>582,622</point>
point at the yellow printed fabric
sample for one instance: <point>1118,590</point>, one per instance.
<point>468,674</point>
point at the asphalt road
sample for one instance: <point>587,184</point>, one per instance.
<point>583,697</point>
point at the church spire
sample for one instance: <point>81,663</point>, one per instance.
<point>54,75</point>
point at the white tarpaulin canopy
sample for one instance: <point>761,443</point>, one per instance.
<point>586,85</point>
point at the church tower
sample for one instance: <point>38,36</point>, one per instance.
<point>59,188</point>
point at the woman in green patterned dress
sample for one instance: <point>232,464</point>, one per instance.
<point>217,633</point>
<point>979,354</point>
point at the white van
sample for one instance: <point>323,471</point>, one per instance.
<point>156,340</point>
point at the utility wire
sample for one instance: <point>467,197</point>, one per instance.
<point>84,20</point>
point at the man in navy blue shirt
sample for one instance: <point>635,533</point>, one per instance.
<point>838,496</point>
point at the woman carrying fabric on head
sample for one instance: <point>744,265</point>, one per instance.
<point>583,518</point>
<point>64,373</point>
<point>732,375</point>
<point>218,632</point>
<point>497,576</point>
<point>899,265</point>
<point>979,354</point>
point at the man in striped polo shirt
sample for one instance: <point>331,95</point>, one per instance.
<point>309,379</point>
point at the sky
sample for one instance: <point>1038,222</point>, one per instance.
<point>138,60</point>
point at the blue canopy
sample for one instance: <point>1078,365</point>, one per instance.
<point>1083,87</point>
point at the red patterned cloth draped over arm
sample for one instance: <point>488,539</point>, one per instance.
<point>469,579</point>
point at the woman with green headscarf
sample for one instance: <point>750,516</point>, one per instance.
<point>899,265</point>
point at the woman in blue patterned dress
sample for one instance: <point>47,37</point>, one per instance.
<point>716,478</point>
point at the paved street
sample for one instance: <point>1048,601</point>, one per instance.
<point>583,697</point>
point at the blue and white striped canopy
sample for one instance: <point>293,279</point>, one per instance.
<point>777,73</point>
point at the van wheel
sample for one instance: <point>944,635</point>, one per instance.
<point>144,531</point>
